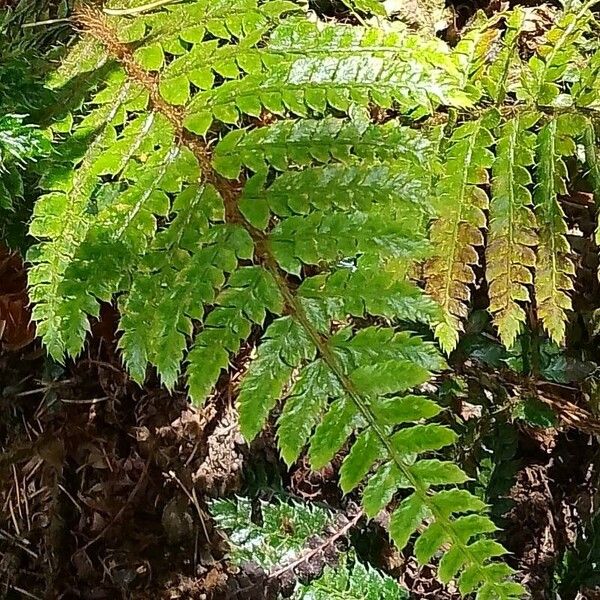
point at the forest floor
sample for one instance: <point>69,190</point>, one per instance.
<point>104,485</point>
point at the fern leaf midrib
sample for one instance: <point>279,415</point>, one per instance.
<point>297,311</point>
<point>509,255</point>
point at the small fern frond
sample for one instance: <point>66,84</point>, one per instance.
<point>510,254</point>
<point>249,294</point>
<point>351,580</point>
<point>555,269</point>
<point>284,537</point>
<point>286,529</point>
<point>585,90</point>
<point>456,232</point>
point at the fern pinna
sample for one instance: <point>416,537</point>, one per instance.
<point>224,176</point>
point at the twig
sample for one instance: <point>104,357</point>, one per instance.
<point>194,500</point>
<point>90,401</point>
<point>70,497</point>
<point>24,592</point>
<point>46,22</point>
<point>21,543</point>
<point>130,498</point>
<point>101,363</point>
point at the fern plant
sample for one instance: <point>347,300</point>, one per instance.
<point>225,181</point>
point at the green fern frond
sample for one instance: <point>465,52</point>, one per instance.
<point>498,75</point>
<point>305,142</point>
<point>592,163</point>
<point>285,531</point>
<point>20,144</point>
<point>560,52</point>
<point>61,217</point>
<point>351,580</point>
<point>357,385</point>
<point>283,537</point>
<point>306,69</point>
<point>471,55</point>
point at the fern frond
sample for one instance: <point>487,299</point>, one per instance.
<point>351,580</point>
<point>510,255</point>
<point>369,291</point>
<point>61,219</point>
<point>285,347</point>
<point>285,531</point>
<point>20,144</point>
<point>585,90</point>
<point>367,368</point>
<point>283,536</point>
<point>341,187</point>
<point>555,269</point>
<point>249,294</point>
<point>456,232</point>
<point>471,55</point>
